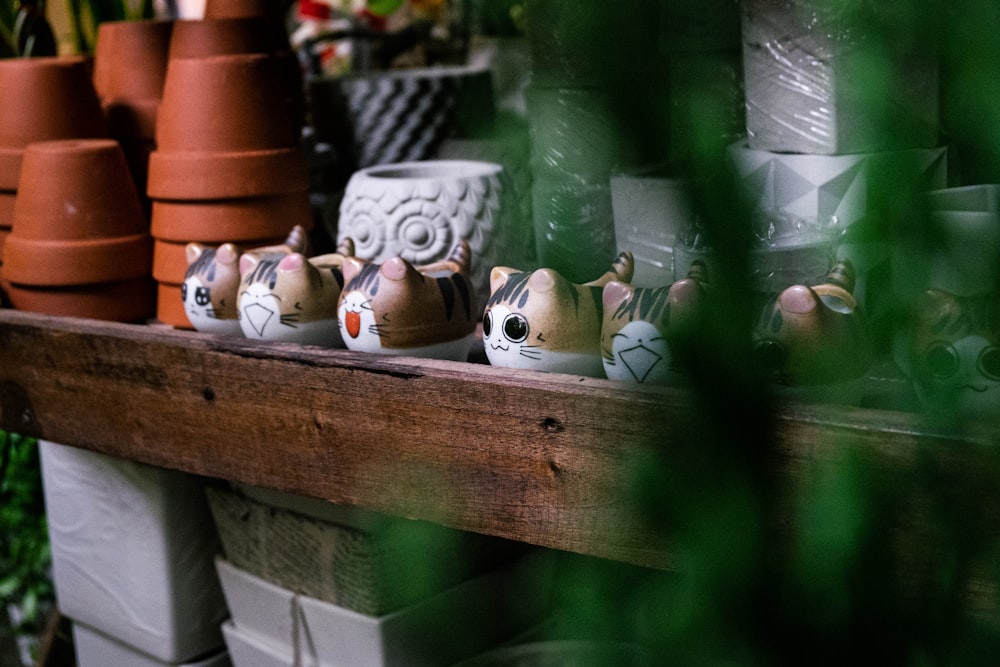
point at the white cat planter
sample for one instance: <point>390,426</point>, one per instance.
<point>539,320</point>
<point>397,308</point>
<point>643,326</point>
<point>292,299</point>
<point>212,281</point>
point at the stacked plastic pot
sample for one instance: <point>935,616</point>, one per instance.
<point>228,166</point>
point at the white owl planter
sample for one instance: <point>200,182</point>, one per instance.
<point>419,211</point>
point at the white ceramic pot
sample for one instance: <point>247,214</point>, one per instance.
<point>420,210</point>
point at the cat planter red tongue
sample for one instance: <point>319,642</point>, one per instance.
<point>401,309</point>
<point>541,321</point>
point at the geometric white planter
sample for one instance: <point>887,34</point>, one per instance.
<point>132,552</point>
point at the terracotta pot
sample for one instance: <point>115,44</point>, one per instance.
<point>269,10</point>
<point>192,176</point>
<point>233,220</point>
<point>77,217</point>
<point>48,98</point>
<point>223,104</point>
<point>7,200</point>
<point>170,258</point>
<point>130,61</point>
<point>170,306</point>
<point>200,38</point>
<point>10,168</point>
<point>124,301</point>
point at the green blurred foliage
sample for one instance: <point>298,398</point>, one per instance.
<point>25,558</point>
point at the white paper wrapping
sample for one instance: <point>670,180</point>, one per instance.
<point>132,552</point>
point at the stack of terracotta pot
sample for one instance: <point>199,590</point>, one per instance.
<point>42,99</point>
<point>130,64</point>
<point>80,244</point>
<point>228,166</point>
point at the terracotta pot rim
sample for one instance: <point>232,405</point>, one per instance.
<point>190,176</point>
<point>230,220</point>
<point>64,263</point>
<point>119,301</point>
<point>10,167</point>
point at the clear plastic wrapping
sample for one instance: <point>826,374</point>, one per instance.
<point>823,78</point>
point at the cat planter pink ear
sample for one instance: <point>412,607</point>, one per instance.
<point>292,299</point>
<point>642,327</point>
<point>401,309</point>
<point>212,281</point>
<point>814,335</point>
<point>952,354</point>
<point>539,320</point>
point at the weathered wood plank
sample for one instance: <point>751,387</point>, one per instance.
<point>540,458</point>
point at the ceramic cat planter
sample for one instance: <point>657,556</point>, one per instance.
<point>953,354</point>
<point>539,320</point>
<point>814,335</point>
<point>642,325</point>
<point>292,299</point>
<point>212,281</point>
<point>397,308</point>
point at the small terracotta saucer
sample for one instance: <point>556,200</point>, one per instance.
<point>200,176</point>
<point>223,220</point>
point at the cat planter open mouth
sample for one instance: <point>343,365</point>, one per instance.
<point>397,308</point>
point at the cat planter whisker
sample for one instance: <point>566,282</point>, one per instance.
<point>539,320</point>
<point>397,308</point>
<point>212,281</point>
<point>293,299</point>
<point>643,327</point>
